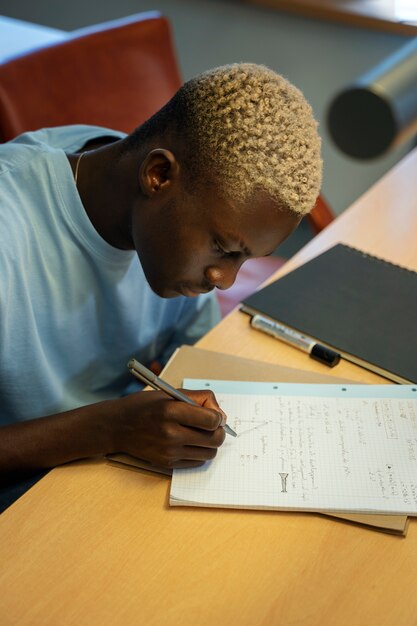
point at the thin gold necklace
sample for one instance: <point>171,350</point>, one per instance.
<point>77,166</point>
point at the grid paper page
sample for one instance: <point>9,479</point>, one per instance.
<point>340,452</point>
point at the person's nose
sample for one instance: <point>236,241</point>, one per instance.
<point>223,275</point>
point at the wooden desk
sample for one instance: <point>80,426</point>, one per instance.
<point>93,544</point>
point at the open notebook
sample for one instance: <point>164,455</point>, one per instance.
<point>206,364</point>
<point>309,447</point>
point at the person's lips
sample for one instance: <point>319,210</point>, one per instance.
<point>193,292</point>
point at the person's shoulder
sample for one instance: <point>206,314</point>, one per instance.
<point>68,138</point>
<point>13,155</point>
<point>22,149</point>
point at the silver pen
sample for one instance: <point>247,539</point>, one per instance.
<point>151,379</point>
<point>298,340</point>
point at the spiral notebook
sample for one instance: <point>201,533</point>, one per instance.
<point>307,447</point>
<point>361,306</point>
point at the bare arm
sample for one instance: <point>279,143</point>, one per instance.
<point>147,425</point>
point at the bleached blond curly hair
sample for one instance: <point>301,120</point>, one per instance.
<point>247,128</point>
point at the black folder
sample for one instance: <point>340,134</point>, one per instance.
<point>363,307</point>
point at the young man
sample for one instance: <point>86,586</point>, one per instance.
<point>111,247</point>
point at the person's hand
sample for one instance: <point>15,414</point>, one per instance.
<point>168,433</point>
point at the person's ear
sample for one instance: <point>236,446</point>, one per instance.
<point>158,171</point>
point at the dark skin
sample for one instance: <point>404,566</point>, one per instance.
<point>187,245</point>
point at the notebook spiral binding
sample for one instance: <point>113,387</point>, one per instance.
<point>380,260</point>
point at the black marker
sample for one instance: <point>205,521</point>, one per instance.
<point>298,340</point>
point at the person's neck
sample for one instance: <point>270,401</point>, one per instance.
<point>106,185</point>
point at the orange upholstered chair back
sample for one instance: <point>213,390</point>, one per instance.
<point>116,74</point>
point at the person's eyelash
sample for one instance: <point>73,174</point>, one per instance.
<point>219,248</point>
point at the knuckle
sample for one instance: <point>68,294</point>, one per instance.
<point>211,396</point>
<point>168,430</point>
<point>168,408</point>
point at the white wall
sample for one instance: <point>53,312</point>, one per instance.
<point>319,57</point>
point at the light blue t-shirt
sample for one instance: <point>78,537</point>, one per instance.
<point>73,309</point>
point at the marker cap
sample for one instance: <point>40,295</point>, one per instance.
<point>324,355</point>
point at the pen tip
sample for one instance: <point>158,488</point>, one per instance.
<point>229,430</point>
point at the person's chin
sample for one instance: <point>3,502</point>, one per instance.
<point>162,291</point>
<point>165,292</point>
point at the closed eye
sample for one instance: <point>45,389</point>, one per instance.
<point>230,254</point>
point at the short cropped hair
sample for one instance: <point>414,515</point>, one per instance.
<point>246,129</point>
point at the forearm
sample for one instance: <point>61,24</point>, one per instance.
<point>149,425</point>
<point>49,441</point>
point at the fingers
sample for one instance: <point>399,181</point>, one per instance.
<point>204,397</point>
<point>207,400</point>
<point>177,451</point>
<point>177,457</point>
<point>167,432</point>
<point>185,436</point>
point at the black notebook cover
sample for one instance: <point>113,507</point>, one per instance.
<point>359,305</point>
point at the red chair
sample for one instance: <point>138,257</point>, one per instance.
<point>115,74</point>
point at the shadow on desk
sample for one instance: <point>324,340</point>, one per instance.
<point>11,493</point>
